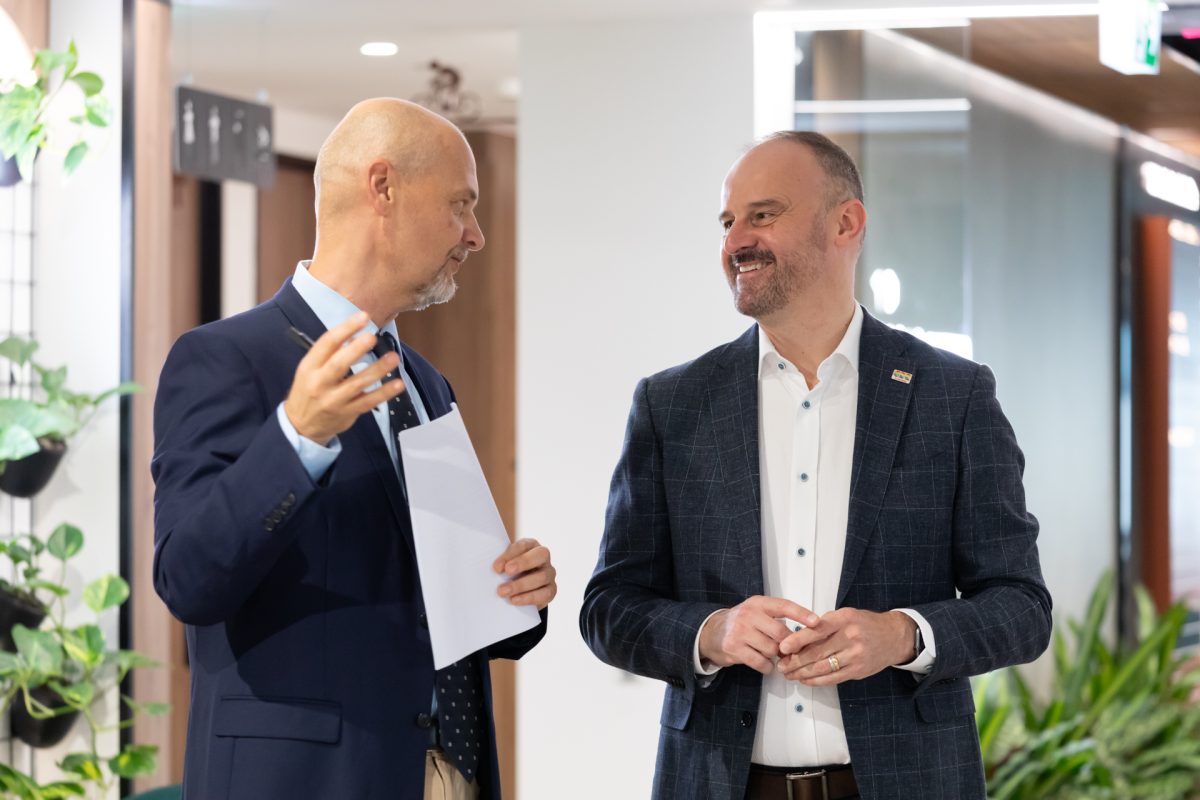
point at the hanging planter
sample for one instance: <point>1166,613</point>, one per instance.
<point>42,731</point>
<point>10,174</point>
<point>27,476</point>
<point>17,608</point>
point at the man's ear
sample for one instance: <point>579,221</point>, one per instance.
<point>381,185</point>
<point>853,221</point>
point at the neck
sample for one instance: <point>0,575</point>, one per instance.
<point>807,333</point>
<point>357,273</point>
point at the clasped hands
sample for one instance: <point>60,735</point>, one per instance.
<point>846,644</point>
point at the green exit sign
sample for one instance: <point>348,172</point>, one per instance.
<point>1131,35</point>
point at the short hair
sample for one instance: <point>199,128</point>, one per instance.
<point>844,178</point>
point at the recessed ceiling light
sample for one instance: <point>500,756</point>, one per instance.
<point>379,49</point>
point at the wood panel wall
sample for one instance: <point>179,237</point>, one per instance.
<point>472,340</point>
<point>165,304</point>
<point>1151,407</point>
<point>286,224</point>
<point>32,18</point>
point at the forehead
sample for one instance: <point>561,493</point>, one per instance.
<point>772,169</point>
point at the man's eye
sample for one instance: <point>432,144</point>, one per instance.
<point>726,224</point>
<point>763,216</point>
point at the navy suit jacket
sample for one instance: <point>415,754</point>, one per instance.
<point>936,507</point>
<point>310,655</point>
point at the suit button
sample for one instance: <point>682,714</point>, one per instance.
<point>747,720</point>
<point>270,526</point>
<point>424,720</point>
<point>422,620</point>
<point>291,498</point>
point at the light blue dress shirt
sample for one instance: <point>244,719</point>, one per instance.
<point>333,309</point>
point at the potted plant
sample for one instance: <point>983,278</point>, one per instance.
<point>23,600</point>
<point>42,109</point>
<point>34,433</point>
<point>1121,721</point>
<point>57,675</point>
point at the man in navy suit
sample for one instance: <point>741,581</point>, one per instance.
<point>282,532</point>
<point>794,517</point>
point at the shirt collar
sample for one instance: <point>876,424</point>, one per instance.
<point>330,307</point>
<point>845,353</point>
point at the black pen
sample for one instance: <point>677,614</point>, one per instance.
<point>299,337</point>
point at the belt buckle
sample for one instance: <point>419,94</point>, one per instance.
<point>820,773</point>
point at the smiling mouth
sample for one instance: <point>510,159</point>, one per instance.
<point>751,266</point>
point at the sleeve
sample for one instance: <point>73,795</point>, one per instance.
<point>316,458</point>
<point>630,618</point>
<point>1002,616</point>
<point>228,483</point>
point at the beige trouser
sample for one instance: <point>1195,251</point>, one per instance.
<point>444,782</point>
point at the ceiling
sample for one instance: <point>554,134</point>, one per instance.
<point>1060,56</point>
<point>304,54</point>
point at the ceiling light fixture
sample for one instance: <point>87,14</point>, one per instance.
<point>379,49</point>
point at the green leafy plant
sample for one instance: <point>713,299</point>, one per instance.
<point>27,103</point>
<point>1121,724</point>
<point>77,666</point>
<point>26,552</point>
<point>27,426</point>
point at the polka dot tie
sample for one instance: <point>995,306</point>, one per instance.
<point>459,686</point>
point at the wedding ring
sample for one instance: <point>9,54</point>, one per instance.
<point>834,664</point>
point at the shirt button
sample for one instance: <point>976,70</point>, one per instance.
<point>804,477</point>
<point>806,404</point>
<point>799,708</point>
<point>782,365</point>
<point>800,551</point>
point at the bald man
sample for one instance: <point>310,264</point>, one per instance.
<point>282,531</point>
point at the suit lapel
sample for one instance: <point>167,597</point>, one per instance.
<point>883,399</point>
<point>733,403</point>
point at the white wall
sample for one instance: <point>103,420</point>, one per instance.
<point>626,131</point>
<point>77,306</point>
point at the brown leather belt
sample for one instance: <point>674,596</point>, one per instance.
<point>816,783</point>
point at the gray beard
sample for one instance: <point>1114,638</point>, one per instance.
<point>440,290</point>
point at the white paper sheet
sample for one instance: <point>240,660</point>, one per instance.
<point>458,534</point>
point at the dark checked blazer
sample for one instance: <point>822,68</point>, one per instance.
<point>311,665</point>
<point>936,508</point>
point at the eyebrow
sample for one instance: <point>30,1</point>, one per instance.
<point>468,194</point>
<point>757,204</point>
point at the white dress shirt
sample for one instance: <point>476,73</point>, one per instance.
<point>806,450</point>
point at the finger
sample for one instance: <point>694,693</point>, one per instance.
<point>772,627</point>
<point>332,340</point>
<point>512,551</point>
<point>779,607</point>
<point>533,559</point>
<point>795,642</point>
<point>760,643</point>
<point>540,597</point>
<point>833,679</point>
<point>353,385</point>
<point>755,660</point>
<point>338,364</point>
<point>365,402</point>
<point>817,652</point>
<point>528,582</point>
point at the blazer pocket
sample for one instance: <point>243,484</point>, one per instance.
<point>676,709</point>
<point>279,718</point>
<point>947,702</point>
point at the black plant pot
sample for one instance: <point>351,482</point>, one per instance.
<point>29,475</point>
<point>16,609</point>
<point>41,732</point>
<point>9,174</point>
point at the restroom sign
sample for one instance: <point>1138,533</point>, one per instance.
<point>1131,35</point>
<point>220,138</point>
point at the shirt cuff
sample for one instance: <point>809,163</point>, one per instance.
<point>315,458</point>
<point>698,664</point>
<point>923,664</point>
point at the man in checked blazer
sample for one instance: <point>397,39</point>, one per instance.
<point>795,515</point>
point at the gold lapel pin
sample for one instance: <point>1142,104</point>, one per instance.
<point>902,376</point>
